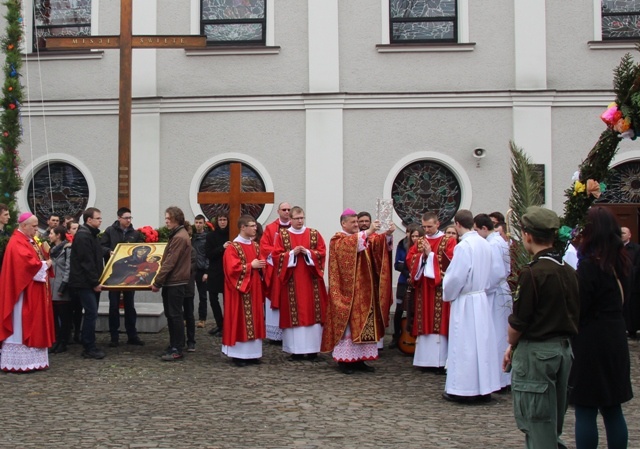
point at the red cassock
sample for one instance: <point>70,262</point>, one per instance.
<point>359,289</point>
<point>431,313</point>
<point>21,263</point>
<point>303,296</point>
<point>267,243</point>
<point>244,295</point>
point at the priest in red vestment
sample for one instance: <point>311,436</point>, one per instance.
<point>428,259</point>
<point>267,245</point>
<point>359,293</point>
<point>244,327</point>
<point>26,311</point>
<point>299,256</point>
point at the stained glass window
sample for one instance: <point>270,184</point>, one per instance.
<point>60,18</point>
<point>423,21</point>
<point>58,188</point>
<point>620,19</point>
<point>623,184</point>
<point>218,178</point>
<point>234,22</point>
<point>426,186</point>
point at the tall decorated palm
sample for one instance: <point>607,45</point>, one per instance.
<point>10,130</point>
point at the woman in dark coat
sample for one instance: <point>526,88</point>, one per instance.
<point>215,244</point>
<point>600,377</point>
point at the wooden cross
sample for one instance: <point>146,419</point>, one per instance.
<point>235,197</point>
<point>126,41</point>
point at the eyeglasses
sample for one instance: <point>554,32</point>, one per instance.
<point>127,218</point>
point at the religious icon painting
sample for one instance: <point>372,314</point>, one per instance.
<point>132,266</point>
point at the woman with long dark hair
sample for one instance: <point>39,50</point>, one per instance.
<point>600,377</point>
<point>60,256</point>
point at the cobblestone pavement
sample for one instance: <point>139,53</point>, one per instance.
<point>131,399</point>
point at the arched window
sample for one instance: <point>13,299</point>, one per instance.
<point>426,185</point>
<point>59,188</point>
<point>623,184</point>
<point>217,179</point>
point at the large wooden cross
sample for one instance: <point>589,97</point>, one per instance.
<point>235,197</point>
<point>126,41</point>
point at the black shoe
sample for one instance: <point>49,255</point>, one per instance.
<point>394,343</point>
<point>440,370</point>
<point>62,347</point>
<point>172,356</point>
<point>345,368</point>
<point>215,331</point>
<point>191,347</point>
<point>93,354</point>
<point>275,342</point>
<point>296,357</point>
<point>361,366</point>
<point>53,349</point>
<point>76,338</point>
<point>239,362</point>
<point>166,351</point>
<point>135,341</point>
<point>312,357</point>
<point>114,344</point>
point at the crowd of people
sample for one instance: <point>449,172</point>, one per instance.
<point>452,296</point>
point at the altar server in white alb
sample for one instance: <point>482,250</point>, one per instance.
<point>472,365</point>
<point>499,293</point>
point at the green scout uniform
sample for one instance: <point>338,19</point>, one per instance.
<point>546,308</point>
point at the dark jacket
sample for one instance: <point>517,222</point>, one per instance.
<point>176,260</point>
<point>198,244</point>
<point>214,250</point>
<point>86,258</point>
<point>114,234</point>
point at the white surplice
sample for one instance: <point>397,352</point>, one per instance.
<point>499,295</point>
<point>472,365</point>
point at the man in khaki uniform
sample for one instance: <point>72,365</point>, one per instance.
<point>545,315</point>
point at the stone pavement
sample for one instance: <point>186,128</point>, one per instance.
<point>131,399</point>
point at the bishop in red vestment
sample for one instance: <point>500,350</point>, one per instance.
<point>244,326</point>
<point>26,311</point>
<point>428,260</point>
<point>299,258</point>
<point>359,293</point>
<point>267,245</point>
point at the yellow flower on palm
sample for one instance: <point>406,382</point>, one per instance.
<point>578,187</point>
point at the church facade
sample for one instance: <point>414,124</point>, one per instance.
<point>328,103</point>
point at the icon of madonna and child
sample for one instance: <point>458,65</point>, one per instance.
<point>133,266</point>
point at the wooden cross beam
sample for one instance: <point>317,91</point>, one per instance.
<point>126,41</point>
<point>235,197</point>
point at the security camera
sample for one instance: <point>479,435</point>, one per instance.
<point>479,153</point>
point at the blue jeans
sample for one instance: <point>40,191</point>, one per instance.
<point>130,315</point>
<point>89,299</point>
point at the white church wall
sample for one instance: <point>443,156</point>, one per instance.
<point>571,64</point>
<point>376,139</point>
<point>275,139</point>
<point>489,66</point>
<point>190,74</point>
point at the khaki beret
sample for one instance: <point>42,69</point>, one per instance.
<point>541,220</point>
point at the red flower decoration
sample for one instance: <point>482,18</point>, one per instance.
<point>150,234</point>
<point>12,106</point>
<point>6,134</point>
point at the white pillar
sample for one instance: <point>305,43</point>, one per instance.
<point>324,136</point>
<point>532,114</point>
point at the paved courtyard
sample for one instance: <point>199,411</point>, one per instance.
<point>131,399</point>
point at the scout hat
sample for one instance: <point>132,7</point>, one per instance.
<point>540,221</point>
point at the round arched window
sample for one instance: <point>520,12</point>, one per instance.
<point>57,188</point>
<point>623,184</point>
<point>426,186</point>
<point>218,179</point>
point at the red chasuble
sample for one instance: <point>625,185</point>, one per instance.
<point>244,297</point>
<point>431,313</point>
<point>267,243</point>
<point>303,296</point>
<point>359,290</point>
<point>21,263</point>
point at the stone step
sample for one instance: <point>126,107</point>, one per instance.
<point>150,317</point>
